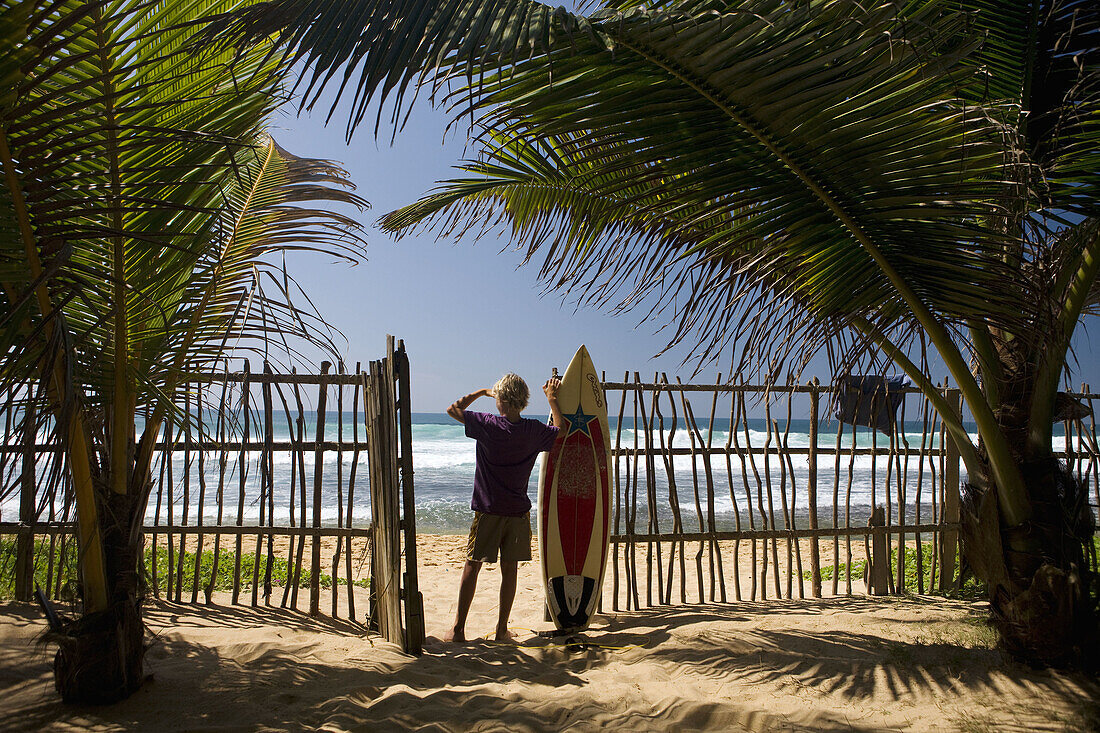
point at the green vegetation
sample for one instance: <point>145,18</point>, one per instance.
<point>971,588</point>
<point>280,570</point>
<point>65,556</point>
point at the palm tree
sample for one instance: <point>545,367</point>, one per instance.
<point>142,217</point>
<point>784,176</point>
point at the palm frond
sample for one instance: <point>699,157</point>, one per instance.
<point>820,139</point>
<point>1038,65</point>
<point>379,48</point>
<point>275,202</point>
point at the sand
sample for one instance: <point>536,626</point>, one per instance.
<point>837,663</point>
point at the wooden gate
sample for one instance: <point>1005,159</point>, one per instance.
<point>397,606</point>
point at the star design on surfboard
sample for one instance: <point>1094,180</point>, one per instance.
<point>579,420</point>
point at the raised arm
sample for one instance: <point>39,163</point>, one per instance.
<point>551,391</point>
<point>459,406</point>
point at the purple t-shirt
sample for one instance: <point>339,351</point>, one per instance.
<point>506,453</point>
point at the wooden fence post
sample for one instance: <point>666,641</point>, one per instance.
<point>878,564</point>
<point>382,454</point>
<point>318,478</point>
<point>949,538</point>
<point>370,398</point>
<point>24,541</point>
<point>267,480</point>
<point>240,487</point>
<point>414,601</point>
<point>811,488</point>
<point>355,422</point>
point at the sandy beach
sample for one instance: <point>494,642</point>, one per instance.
<point>837,663</point>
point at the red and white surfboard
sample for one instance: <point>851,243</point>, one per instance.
<point>574,501</point>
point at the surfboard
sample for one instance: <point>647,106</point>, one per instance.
<point>574,499</point>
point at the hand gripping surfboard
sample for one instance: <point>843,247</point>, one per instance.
<point>574,499</point>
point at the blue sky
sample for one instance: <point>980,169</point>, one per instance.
<point>467,311</point>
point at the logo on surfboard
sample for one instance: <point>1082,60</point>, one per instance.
<point>597,389</point>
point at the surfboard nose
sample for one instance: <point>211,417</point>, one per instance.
<point>581,360</point>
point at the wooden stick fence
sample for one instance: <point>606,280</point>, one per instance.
<point>234,469</point>
<point>767,514</point>
<point>769,507</point>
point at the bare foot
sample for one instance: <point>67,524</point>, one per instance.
<point>455,635</point>
<point>504,635</point>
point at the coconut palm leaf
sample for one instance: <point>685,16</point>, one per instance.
<point>1037,69</point>
<point>170,220</point>
<point>857,180</point>
<point>559,194</point>
<point>871,193</point>
<point>174,131</point>
<point>1036,66</point>
<point>271,206</point>
<point>781,88</point>
<point>369,48</point>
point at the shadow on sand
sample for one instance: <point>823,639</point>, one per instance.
<point>539,684</point>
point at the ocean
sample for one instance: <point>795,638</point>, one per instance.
<point>443,460</point>
<point>443,464</point>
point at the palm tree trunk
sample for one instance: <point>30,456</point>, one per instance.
<point>100,656</point>
<point>1044,598</point>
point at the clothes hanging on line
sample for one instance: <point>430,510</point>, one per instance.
<point>869,400</point>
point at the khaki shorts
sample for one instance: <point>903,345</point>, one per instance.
<point>490,533</point>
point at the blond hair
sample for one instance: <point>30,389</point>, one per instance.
<point>512,390</point>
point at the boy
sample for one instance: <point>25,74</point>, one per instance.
<point>507,446</point>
